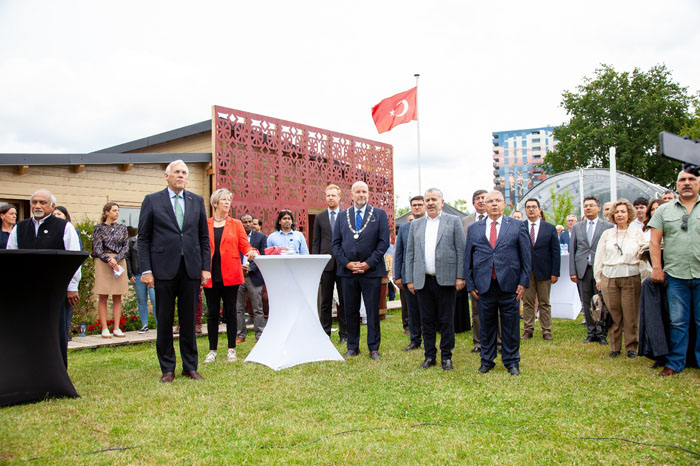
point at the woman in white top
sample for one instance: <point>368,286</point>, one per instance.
<point>616,272</point>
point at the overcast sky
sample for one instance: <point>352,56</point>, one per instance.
<point>78,76</point>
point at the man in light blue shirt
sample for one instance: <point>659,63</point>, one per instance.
<point>286,236</point>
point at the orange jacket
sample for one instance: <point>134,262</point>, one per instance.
<point>234,242</point>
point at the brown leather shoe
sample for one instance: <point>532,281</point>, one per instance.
<point>526,336</point>
<point>665,372</point>
<point>194,375</point>
<point>239,340</point>
<point>547,336</point>
<point>168,377</point>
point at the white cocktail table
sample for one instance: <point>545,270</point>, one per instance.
<point>293,334</point>
<point>563,296</point>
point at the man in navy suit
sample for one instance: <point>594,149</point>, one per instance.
<point>322,243</point>
<point>497,271</point>
<point>360,239</point>
<point>174,254</point>
<point>412,307</point>
<point>546,262</point>
<point>252,286</point>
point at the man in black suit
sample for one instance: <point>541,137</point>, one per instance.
<point>324,226</point>
<point>252,286</point>
<point>546,262</point>
<point>360,239</point>
<point>175,257</point>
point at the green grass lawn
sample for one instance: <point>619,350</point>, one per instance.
<point>365,412</point>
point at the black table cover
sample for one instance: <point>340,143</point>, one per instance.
<point>32,289</point>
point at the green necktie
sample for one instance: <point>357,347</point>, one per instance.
<point>179,214</point>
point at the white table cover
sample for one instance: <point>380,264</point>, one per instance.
<point>563,297</point>
<point>293,334</point>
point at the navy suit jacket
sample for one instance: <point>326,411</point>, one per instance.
<point>259,242</point>
<point>400,251</point>
<point>511,256</point>
<point>564,237</point>
<point>546,254</point>
<point>161,243</point>
<point>369,247</point>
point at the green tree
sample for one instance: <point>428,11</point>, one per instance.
<point>625,110</point>
<point>562,206</point>
<point>460,204</point>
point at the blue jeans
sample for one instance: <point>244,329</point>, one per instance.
<point>683,309</point>
<point>142,295</point>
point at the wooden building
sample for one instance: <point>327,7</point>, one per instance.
<point>267,163</point>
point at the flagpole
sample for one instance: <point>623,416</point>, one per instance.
<point>420,190</point>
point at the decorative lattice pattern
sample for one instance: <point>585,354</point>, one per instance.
<point>271,164</point>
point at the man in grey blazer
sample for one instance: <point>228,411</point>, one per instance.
<point>479,213</point>
<point>435,272</point>
<point>582,246</point>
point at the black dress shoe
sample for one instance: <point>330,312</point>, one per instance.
<point>374,355</point>
<point>631,354</point>
<point>590,340</point>
<point>614,354</point>
<point>194,375</point>
<point>411,346</point>
<point>657,364</point>
<point>603,341</point>
<point>513,370</point>
<point>476,349</point>
<point>350,353</point>
<point>427,363</point>
<point>447,365</point>
<point>167,377</point>
<point>484,369</point>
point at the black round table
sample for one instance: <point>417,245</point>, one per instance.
<point>32,289</point>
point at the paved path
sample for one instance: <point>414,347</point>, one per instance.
<point>134,337</point>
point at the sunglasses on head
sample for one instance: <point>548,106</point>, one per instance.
<point>684,222</point>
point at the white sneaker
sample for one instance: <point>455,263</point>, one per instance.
<point>211,357</point>
<point>106,334</point>
<point>144,329</point>
<point>232,355</point>
<point>118,333</point>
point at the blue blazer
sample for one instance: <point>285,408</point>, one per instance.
<point>564,238</point>
<point>400,251</point>
<point>161,244</point>
<point>511,256</point>
<point>546,254</point>
<point>369,247</point>
<point>259,242</point>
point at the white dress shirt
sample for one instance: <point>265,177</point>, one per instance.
<point>70,241</point>
<point>431,230</point>
<point>537,228</point>
<point>498,227</point>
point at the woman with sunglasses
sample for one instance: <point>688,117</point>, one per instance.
<point>616,272</point>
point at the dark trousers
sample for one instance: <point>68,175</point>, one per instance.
<point>437,307</point>
<point>586,290</point>
<point>185,290</point>
<point>493,304</point>
<point>414,316</point>
<point>328,281</point>
<point>354,289</point>
<point>214,295</point>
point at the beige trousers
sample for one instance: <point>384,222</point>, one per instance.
<point>621,296</point>
<point>538,291</point>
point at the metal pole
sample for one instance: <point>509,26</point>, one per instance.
<point>420,189</point>
<point>613,175</point>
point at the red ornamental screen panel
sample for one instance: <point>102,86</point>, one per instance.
<point>271,164</point>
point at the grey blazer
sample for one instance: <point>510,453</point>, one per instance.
<point>469,220</point>
<point>579,249</point>
<point>449,252</point>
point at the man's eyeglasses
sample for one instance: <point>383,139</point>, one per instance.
<point>684,222</point>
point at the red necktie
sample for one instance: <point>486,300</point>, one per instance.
<point>493,237</point>
<point>532,233</point>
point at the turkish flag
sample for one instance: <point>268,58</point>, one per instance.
<point>395,110</point>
